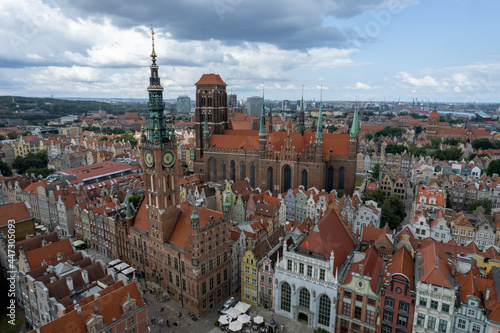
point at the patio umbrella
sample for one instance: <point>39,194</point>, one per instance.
<point>235,326</point>
<point>233,313</point>
<point>244,318</point>
<point>258,320</point>
<point>242,307</point>
<point>224,319</point>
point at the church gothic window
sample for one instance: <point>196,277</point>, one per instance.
<point>223,170</point>
<point>242,170</point>
<point>213,170</point>
<point>329,179</point>
<point>341,178</point>
<point>287,178</point>
<point>286,297</point>
<point>304,179</point>
<point>232,171</point>
<point>270,179</point>
<point>252,175</point>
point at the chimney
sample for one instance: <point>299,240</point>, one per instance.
<point>53,279</point>
<point>59,255</point>
<point>85,276</point>
<point>44,263</point>
<point>69,282</point>
<point>44,242</point>
<point>78,308</point>
<point>437,262</point>
<point>487,294</point>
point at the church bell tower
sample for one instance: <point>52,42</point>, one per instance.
<point>159,162</point>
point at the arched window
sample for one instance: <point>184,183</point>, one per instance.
<point>304,298</point>
<point>286,297</point>
<point>324,310</point>
<point>270,179</point>
<point>287,178</point>
<point>232,172</point>
<point>252,174</point>
<point>329,179</point>
<point>341,178</point>
<point>242,170</point>
<point>213,170</point>
<point>304,179</point>
<point>223,170</point>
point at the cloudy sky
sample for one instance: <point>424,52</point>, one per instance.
<point>445,50</point>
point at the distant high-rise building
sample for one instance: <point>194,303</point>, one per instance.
<point>183,104</point>
<point>254,105</point>
<point>286,104</point>
<point>232,101</point>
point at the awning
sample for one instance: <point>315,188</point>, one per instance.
<point>128,270</point>
<point>242,307</point>
<point>78,243</point>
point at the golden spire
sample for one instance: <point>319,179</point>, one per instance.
<point>156,128</point>
<point>153,53</point>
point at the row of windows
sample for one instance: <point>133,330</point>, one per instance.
<point>431,323</point>
<point>304,300</point>
<point>434,305</point>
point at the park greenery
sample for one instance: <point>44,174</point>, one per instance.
<point>486,203</point>
<point>393,208</point>
<point>33,163</point>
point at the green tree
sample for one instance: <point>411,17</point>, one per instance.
<point>452,153</point>
<point>135,200</point>
<point>378,196</point>
<point>395,149</point>
<point>320,330</point>
<point>375,172</point>
<point>340,193</point>
<point>40,171</point>
<point>12,135</point>
<point>332,128</point>
<point>493,167</point>
<point>128,137</point>
<point>5,169</point>
<point>484,202</point>
<point>482,144</point>
<point>453,142</point>
<point>369,136</point>
<point>393,212</point>
<point>418,129</point>
<point>436,142</point>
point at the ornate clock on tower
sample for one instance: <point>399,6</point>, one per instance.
<point>168,158</point>
<point>149,158</point>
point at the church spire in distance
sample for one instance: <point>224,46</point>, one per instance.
<point>301,127</point>
<point>319,130</point>
<point>263,130</point>
<point>355,123</point>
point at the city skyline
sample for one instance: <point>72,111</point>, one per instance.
<point>375,50</point>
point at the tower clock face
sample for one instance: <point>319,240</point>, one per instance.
<point>149,158</point>
<point>168,158</point>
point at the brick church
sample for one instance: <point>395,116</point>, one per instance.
<point>274,161</point>
<point>180,249</point>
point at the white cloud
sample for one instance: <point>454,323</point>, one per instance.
<point>426,81</point>
<point>361,85</point>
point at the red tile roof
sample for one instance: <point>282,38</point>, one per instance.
<point>108,306</point>
<point>141,218</point>
<point>401,263</point>
<point>332,237</point>
<point>372,267</point>
<point>183,226</point>
<point>16,211</point>
<point>210,79</point>
<point>48,253</point>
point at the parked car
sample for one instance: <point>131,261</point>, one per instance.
<point>230,302</point>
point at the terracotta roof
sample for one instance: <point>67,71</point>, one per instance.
<point>48,253</point>
<point>35,242</point>
<point>462,221</point>
<point>375,235</point>
<point>16,211</point>
<point>183,226</point>
<point>434,266</point>
<point>108,306</point>
<point>434,114</point>
<point>332,237</point>
<point>372,267</point>
<point>452,131</point>
<point>33,187</point>
<point>401,263</point>
<point>210,79</point>
<point>141,218</point>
